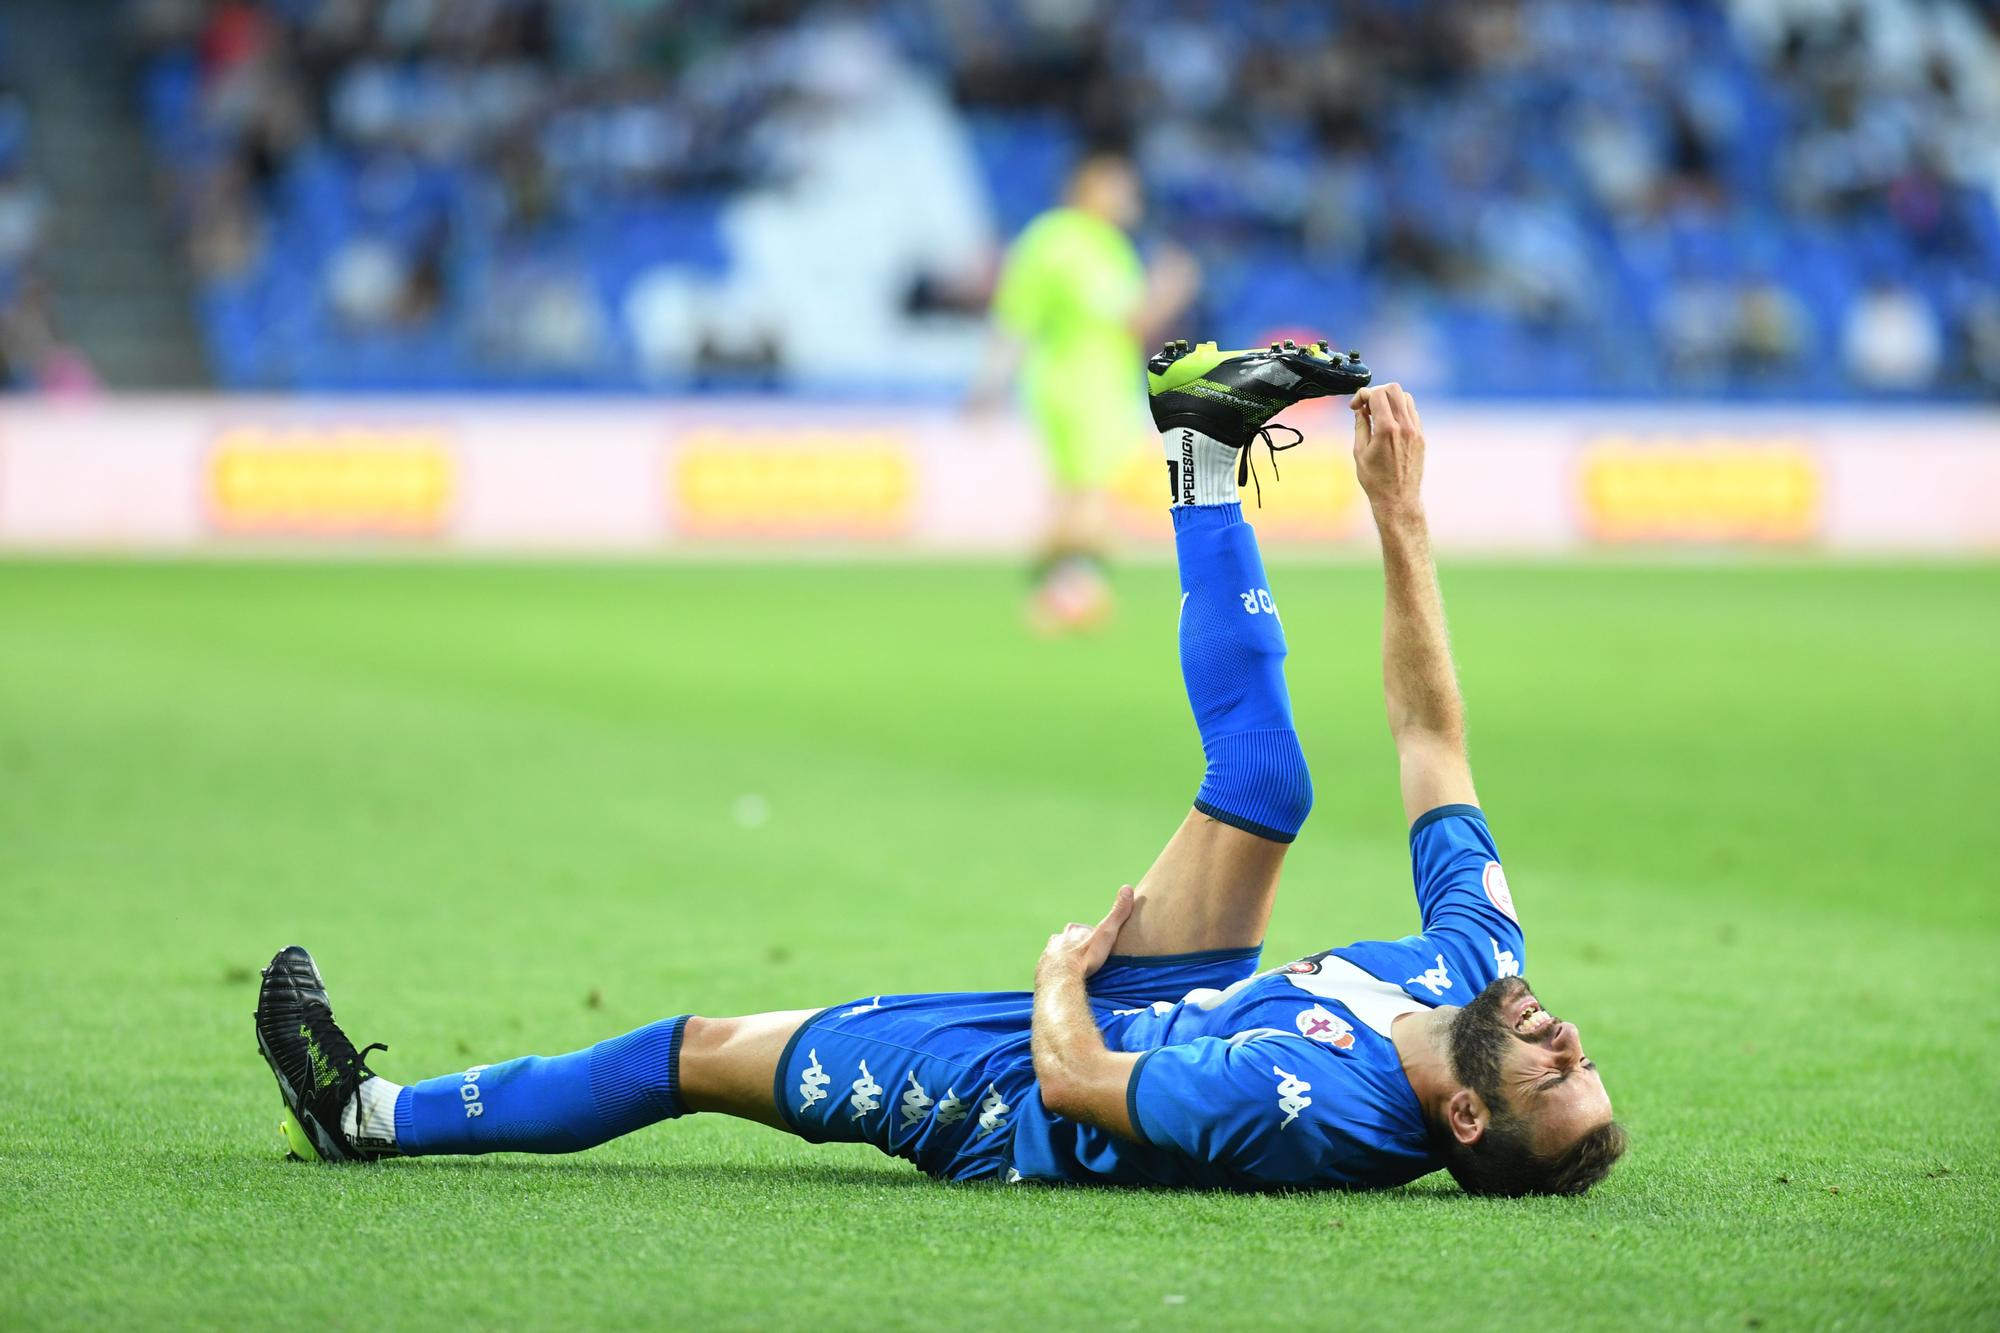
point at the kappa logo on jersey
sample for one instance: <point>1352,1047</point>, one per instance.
<point>916,1102</point>
<point>992,1111</point>
<point>867,1094</point>
<point>951,1110</point>
<point>1318,1024</point>
<point>1505,964</point>
<point>1436,980</point>
<point>812,1086</point>
<point>1292,1097</point>
<point>876,1003</point>
<point>1497,892</point>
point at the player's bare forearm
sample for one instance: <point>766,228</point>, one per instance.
<point>1420,685</point>
<point>1081,1078</point>
<point>1418,680</point>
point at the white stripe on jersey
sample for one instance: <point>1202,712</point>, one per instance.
<point>1369,998</point>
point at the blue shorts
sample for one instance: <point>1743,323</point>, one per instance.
<point>941,1079</point>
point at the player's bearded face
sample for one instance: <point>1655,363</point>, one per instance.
<point>1480,1038</point>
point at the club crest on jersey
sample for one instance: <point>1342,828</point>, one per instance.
<point>1308,965</point>
<point>1318,1024</point>
<point>1495,880</point>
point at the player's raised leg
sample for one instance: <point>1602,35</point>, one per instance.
<point>1214,884</point>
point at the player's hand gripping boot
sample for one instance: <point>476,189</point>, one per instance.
<point>317,1068</point>
<point>1230,397</point>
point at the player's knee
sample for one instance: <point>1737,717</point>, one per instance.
<point>1261,779</point>
<point>703,1038</point>
<point>1287,780</point>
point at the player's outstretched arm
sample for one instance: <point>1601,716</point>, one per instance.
<point>1081,1078</point>
<point>1426,711</point>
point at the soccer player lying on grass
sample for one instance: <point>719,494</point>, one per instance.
<point>1151,1050</point>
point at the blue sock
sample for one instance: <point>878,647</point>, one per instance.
<point>562,1104</point>
<point>1233,661</point>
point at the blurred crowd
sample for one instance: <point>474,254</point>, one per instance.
<point>32,357</point>
<point>1761,197</point>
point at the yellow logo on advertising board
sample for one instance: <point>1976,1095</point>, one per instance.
<point>341,481</point>
<point>1707,490</point>
<point>793,484</point>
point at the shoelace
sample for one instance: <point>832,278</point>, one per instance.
<point>1246,472</point>
<point>357,1067</point>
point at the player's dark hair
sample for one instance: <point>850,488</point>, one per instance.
<point>1504,1161</point>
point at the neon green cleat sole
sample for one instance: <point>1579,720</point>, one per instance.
<point>295,1138</point>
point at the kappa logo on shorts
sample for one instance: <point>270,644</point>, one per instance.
<point>916,1102</point>
<point>1436,980</point>
<point>812,1086</point>
<point>1495,880</point>
<point>992,1111</point>
<point>867,1094</point>
<point>1505,964</point>
<point>1320,1025</point>
<point>1292,1097</point>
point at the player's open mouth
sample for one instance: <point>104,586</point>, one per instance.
<point>1534,1020</point>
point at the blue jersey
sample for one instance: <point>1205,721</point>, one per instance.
<point>1281,1079</point>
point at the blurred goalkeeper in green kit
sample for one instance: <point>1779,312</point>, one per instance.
<point>1073,306</point>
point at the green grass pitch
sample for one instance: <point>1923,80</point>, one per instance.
<point>1747,814</point>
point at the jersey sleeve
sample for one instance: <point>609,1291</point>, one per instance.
<point>1243,1107</point>
<point>1461,888</point>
